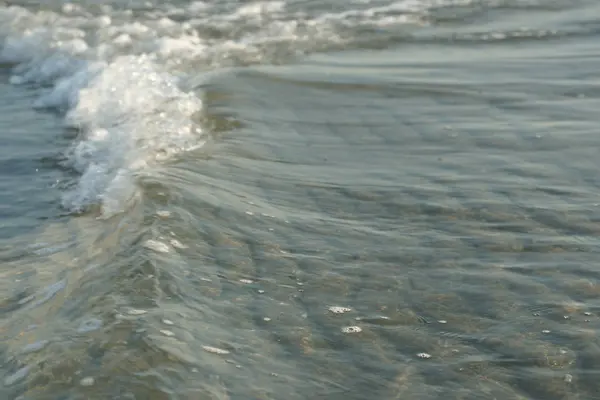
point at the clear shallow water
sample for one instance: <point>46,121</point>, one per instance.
<point>189,188</point>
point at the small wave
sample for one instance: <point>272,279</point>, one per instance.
<point>116,74</point>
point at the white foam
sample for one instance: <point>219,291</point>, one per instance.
<point>258,9</point>
<point>130,116</point>
<point>130,113</point>
<point>157,246</point>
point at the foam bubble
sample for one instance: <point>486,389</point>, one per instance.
<point>87,381</point>
<point>339,310</point>
<point>352,329</point>
<point>215,350</point>
<point>135,311</point>
<point>177,244</point>
<point>157,246</point>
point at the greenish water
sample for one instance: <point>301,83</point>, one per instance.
<point>300,200</point>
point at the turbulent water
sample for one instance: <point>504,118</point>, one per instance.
<point>368,199</point>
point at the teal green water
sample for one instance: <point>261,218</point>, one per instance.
<point>383,201</point>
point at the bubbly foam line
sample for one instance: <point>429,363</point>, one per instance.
<point>129,114</point>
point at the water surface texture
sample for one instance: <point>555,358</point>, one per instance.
<point>368,199</point>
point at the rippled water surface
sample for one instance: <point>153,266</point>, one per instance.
<point>370,199</point>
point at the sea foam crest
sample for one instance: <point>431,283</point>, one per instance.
<point>129,113</point>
